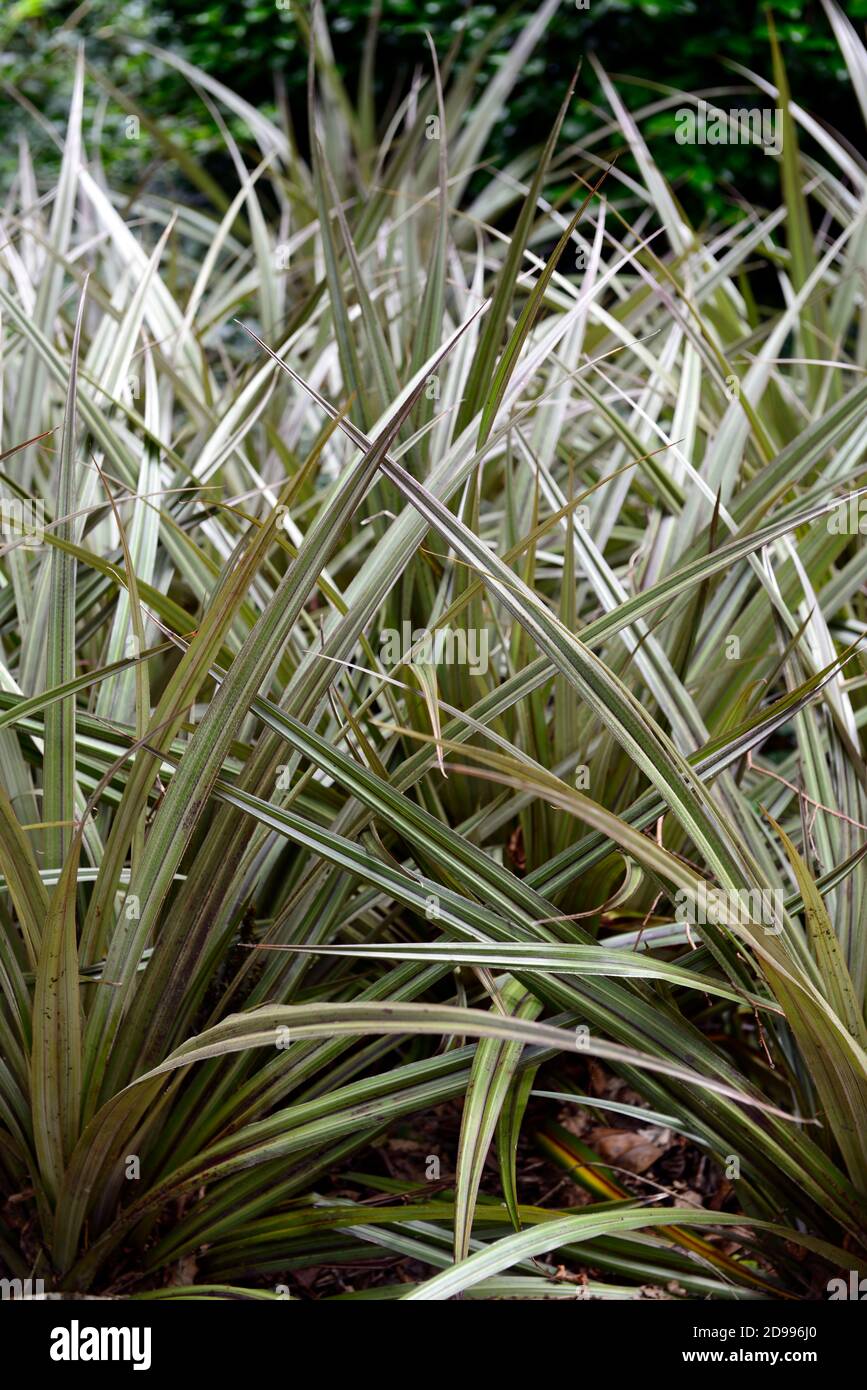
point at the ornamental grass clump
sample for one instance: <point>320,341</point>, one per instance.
<point>433,701</point>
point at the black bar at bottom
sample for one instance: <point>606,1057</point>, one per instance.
<point>216,1338</point>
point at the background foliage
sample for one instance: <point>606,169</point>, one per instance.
<point>246,43</point>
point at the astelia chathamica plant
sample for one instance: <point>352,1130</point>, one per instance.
<point>431,661</point>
